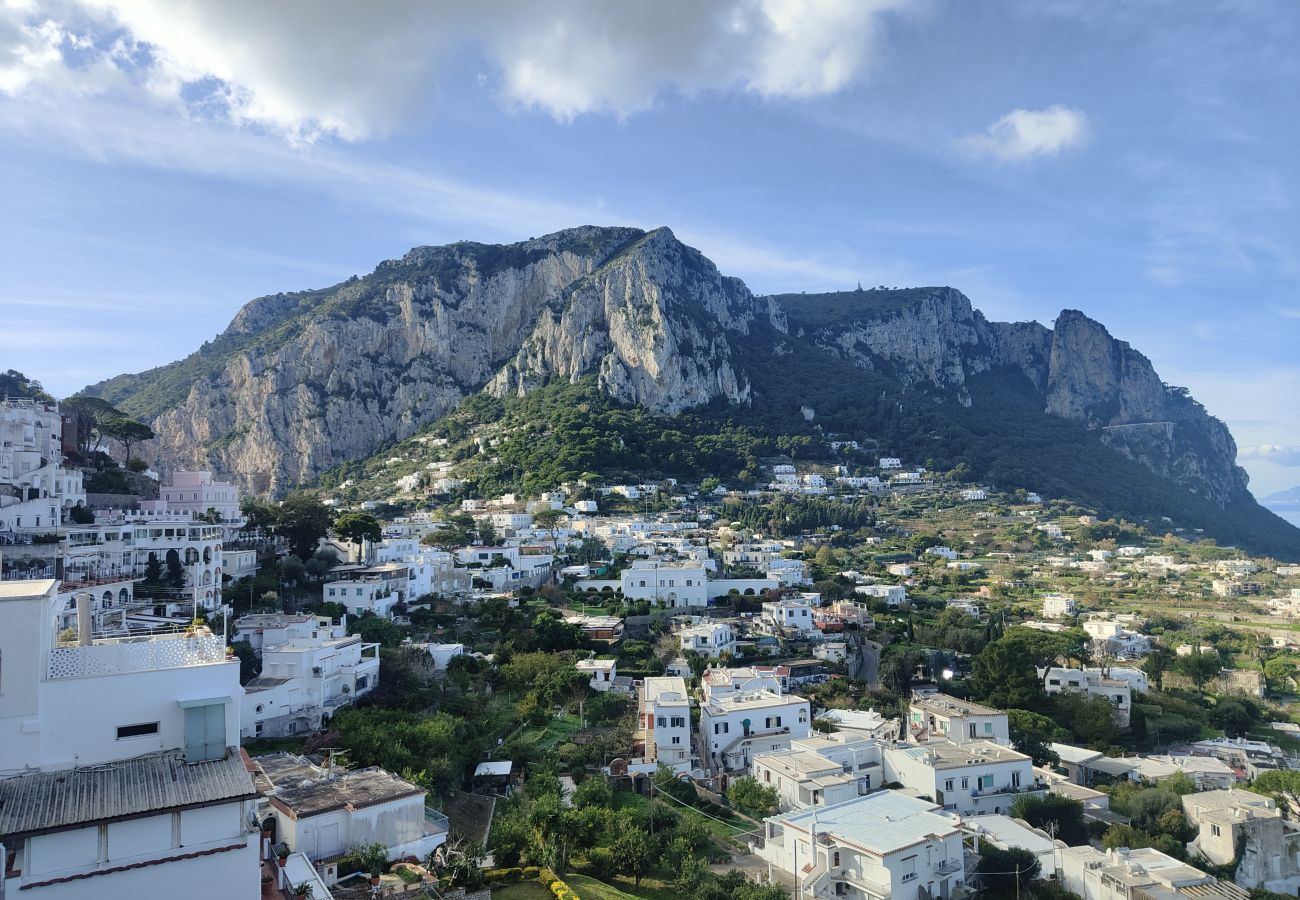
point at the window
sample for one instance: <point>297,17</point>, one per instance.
<point>679,721</point>
<point>972,729</point>
<point>661,722</point>
<point>1215,830</point>
<point>965,783</point>
<point>721,727</point>
<point>835,859</point>
<point>205,731</point>
<point>1015,779</point>
<point>988,727</point>
<point>677,739</point>
<point>130,731</point>
<point>947,785</point>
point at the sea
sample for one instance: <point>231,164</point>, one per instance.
<point>1291,515</point>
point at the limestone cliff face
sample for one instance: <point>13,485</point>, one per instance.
<point>654,323</point>
<point>302,382</point>
<point>333,376</point>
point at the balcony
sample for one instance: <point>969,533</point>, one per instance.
<point>948,867</point>
<point>121,656</point>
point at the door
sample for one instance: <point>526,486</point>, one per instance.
<point>327,840</point>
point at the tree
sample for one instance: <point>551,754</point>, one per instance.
<point>356,527</point>
<point>1063,815</point>
<point>127,432</point>
<point>635,850</point>
<point>303,520</point>
<point>1032,733</point>
<point>1234,717</point>
<point>751,797</point>
<point>258,514</point>
<point>1283,785</point>
<point>548,519</point>
<point>1157,664</point>
<point>1006,873</point>
<point>1003,676</point>
<point>1200,667</point>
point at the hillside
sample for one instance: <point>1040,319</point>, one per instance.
<point>301,384</point>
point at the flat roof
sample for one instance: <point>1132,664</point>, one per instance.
<point>943,755</point>
<point>947,705</point>
<point>1068,753</point>
<point>355,789</point>
<point>17,589</point>
<point>881,823</point>
<point>1012,833</point>
<point>133,788</point>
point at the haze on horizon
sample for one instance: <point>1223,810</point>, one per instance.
<point>165,162</point>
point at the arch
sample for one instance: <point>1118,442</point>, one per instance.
<point>123,596</point>
<point>207,577</point>
<point>107,598</point>
<point>173,557</point>
<point>191,556</point>
<point>207,556</point>
<point>749,592</point>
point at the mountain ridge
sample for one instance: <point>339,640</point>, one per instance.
<point>301,383</point>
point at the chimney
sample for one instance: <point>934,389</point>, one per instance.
<point>85,635</point>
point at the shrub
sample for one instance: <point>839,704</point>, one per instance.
<point>602,863</point>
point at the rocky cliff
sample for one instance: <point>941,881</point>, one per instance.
<point>301,382</point>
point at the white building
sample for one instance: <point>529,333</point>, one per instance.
<point>945,553</point>
<point>1059,606</point>
<point>306,678</point>
<point>324,812</point>
<point>1125,874</point>
<point>974,778</point>
<point>666,584</point>
<point>1233,822</point>
<point>440,655</point>
<point>125,778</point>
<point>790,612</point>
<point>943,717</point>
<point>890,462</point>
<point>362,589</point>
<point>708,638</point>
<point>820,770</point>
<point>665,722</point>
<point>35,489</point>
<point>885,845</point>
<point>1092,682</point>
<point>602,672</point>
<point>1206,772</point>
<point>735,725</point>
<point>893,594</point>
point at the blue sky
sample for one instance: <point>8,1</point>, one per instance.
<point>164,161</point>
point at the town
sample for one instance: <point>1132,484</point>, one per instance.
<point>861,680</point>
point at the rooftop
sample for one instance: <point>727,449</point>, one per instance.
<point>881,823</point>
<point>721,703</point>
<point>942,755</point>
<point>72,798</point>
<point>354,789</point>
<point>946,705</point>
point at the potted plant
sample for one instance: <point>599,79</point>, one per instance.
<point>302,891</point>
<point>282,853</point>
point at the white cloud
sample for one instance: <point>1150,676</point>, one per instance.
<point>307,68</point>
<point>1277,454</point>
<point>1029,133</point>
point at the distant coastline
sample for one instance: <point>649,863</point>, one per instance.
<point>1288,511</point>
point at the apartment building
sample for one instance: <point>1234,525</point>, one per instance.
<point>883,845</point>
<point>793,613</point>
<point>972,779</point>
<point>736,724</point>
<point>307,677</point>
<point>1094,683</point>
<point>708,638</point>
<point>820,770</point>
<point>1235,823</point>
<point>943,717</point>
<point>665,722</point>
<point>124,776</point>
<point>199,494</point>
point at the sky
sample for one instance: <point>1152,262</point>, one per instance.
<point>162,162</point>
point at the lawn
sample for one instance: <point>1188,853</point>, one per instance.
<point>521,890</point>
<point>589,888</point>
<point>726,829</point>
<point>555,731</point>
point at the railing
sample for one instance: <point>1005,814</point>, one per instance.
<point>118,656</point>
<point>435,822</point>
<point>948,866</point>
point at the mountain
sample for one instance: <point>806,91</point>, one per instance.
<point>303,383</point>
<point>1290,497</point>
